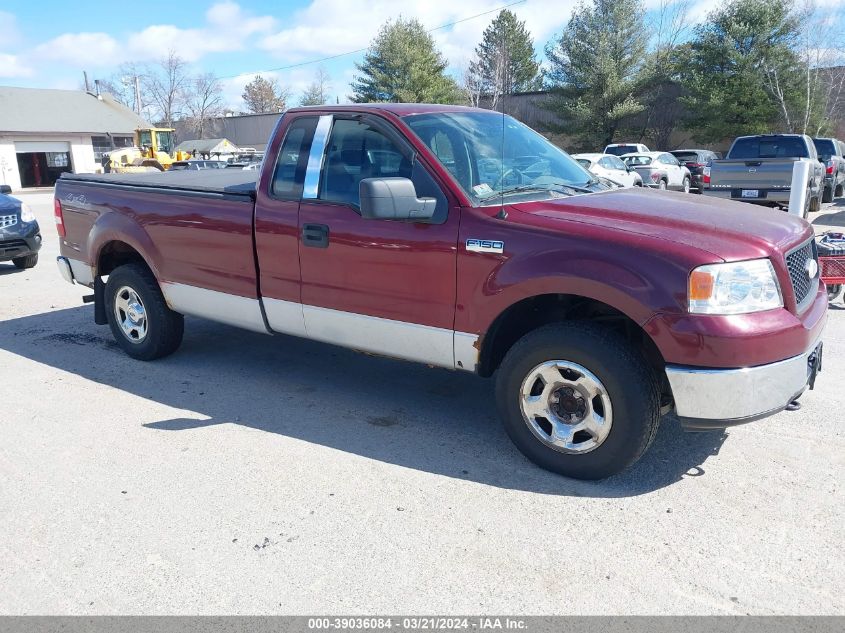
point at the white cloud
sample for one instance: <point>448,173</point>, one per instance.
<point>228,28</point>
<point>86,50</point>
<point>11,66</point>
<point>331,27</point>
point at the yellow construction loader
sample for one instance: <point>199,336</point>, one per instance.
<point>153,151</point>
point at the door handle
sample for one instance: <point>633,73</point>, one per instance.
<point>315,235</point>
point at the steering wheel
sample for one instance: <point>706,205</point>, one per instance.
<point>509,172</point>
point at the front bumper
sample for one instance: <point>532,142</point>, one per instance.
<point>707,398</point>
<point>772,197</point>
<point>14,245</point>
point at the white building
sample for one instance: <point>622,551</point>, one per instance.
<point>46,132</point>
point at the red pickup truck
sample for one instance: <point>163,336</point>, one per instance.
<point>461,238</point>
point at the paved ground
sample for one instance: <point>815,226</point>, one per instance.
<point>248,474</point>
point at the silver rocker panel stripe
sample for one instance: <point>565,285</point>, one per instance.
<point>243,312</point>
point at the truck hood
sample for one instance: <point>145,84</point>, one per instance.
<point>728,230</point>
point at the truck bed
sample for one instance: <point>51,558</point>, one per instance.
<point>235,182</point>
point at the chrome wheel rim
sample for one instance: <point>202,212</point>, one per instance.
<point>566,407</point>
<point>686,185</point>
<point>130,314</point>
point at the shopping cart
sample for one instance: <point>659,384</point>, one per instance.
<point>831,249</point>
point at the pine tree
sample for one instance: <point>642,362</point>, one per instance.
<point>732,64</point>
<point>595,72</point>
<point>504,60</point>
<point>403,65</point>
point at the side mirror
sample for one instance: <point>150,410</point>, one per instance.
<point>5,189</point>
<point>393,199</point>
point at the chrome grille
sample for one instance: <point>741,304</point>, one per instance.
<point>8,220</point>
<point>802,285</point>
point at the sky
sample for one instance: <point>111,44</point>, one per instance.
<point>48,44</point>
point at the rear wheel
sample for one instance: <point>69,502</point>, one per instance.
<point>827,194</point>
<point>661,185</point>
<point>27,261</point>
<point>838,193</point>
<point>578,399</point>
<point>140,321</point>
<point>686,185</point>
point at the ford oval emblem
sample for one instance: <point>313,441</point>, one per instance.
<point>812,268</point>
<point>752,170</point>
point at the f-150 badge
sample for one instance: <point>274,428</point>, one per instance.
<point>485,246</point>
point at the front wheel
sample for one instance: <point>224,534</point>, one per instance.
<point>662,185</point>
<point>578,399</point>
<point>27,261</point>
<point>140,320</point>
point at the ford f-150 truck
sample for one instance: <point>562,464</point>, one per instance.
<point>462,239</point>
<point>758,169</point>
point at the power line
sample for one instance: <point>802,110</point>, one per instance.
<point>361,50</point>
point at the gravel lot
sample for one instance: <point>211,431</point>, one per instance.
<point>257,475</point>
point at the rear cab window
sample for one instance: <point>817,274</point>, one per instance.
<point>825,147</point>
<point>769,147</point>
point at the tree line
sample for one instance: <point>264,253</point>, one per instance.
<point>614,71</point>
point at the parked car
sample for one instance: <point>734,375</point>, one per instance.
<point>196,165</point>
<point>758,169</point>
<point>698,162</point>
<point>596,313</point>
<point>660,170</point>
<point>620,149</point>
<point>831,152</point>
<point>610,167</point>
<point>20,235</point>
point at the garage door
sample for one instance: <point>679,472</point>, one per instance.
<point>25,147</point>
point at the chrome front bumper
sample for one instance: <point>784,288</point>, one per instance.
<point>707,398</point>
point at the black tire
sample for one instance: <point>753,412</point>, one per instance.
<point>827,194</point>
<point>629,381</point>
<point>662,185</point>
<point>27,261</point>
<point>685,186</point>
<point>833,291</point>
<point>164,327</point>
<point>839,191</point>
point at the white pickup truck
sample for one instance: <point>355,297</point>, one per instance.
<point>758,169</point>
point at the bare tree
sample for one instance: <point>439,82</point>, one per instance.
<point>807,90</point>
<point>317,93</point>
<point>472,86</point>
<point>167,87</point>
<point>203,101</point>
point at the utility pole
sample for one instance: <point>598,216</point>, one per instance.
<point>137,95</point>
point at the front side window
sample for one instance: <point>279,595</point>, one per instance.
<point>357,150</point>
<point>492,156</point>
<point>164,140</point>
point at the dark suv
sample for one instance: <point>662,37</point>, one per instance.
<point>832,153</point>
<point>20,237</point>
<point>698,162</point>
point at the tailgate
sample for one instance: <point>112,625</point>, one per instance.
<point>752,173</point>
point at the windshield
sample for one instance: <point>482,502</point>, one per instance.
<point>491,155</point>
<point>824,146</point>
<point>164,141</point>
<point>769,147</point>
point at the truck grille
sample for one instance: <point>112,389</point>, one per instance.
<point>796,261</point>
<point>8,220</point>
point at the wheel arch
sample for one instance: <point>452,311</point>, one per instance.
<point>535,311</point>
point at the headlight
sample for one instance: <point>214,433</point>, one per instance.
<point>734,288</point>
<point>26,213</point>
